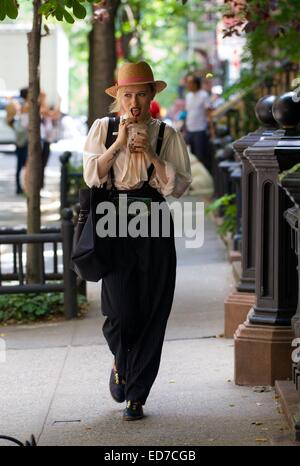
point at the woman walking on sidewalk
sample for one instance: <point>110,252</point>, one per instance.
<point>137,296</point>
<point>17,117</point>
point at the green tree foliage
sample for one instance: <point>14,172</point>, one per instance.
<point>227,203</point>
<point>8,8</point>
<point>61,10</point>
<point>272,28</point>
<point>272,32</point>
<point>157,32</point>
<point>160,33</point>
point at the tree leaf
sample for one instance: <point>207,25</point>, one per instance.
<point>78,10</point>
<point>46,9</point>
<point>2,10</point>
<point>59,14</point>
<point>11,9</point>
<point>69,18</point>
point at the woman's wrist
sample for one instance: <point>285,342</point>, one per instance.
<point>116,146</point>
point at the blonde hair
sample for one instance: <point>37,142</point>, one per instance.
<point>11,111</point>
<point>116,105</point>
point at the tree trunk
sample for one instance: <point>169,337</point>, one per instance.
<point>102,64</point>
<point>126,37</point>
<point>34,161</point>
<point>139,47</point>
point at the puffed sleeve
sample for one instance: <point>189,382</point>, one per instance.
<point>176,159</point>
<point>93,149</point>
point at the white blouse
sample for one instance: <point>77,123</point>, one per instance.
<point>131,172</point>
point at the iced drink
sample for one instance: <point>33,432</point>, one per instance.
<point>133,130</point>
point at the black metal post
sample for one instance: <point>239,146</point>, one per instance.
<point>236,176</point>
<point>64,183</point>
<point>263,110</point>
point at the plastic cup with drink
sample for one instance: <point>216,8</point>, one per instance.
<point>135,129</point>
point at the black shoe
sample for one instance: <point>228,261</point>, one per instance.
<point>116,386</point>
<point>133,411</point>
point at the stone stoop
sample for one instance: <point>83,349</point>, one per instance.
<point>290,402</point>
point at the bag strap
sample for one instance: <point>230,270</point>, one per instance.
<point>113,126</point>
<point>112,132</point>
<point>160,138</point>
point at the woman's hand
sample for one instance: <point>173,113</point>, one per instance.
<point>121,140</point>
<point>141,143</point>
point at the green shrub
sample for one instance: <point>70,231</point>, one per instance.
<point>75,184</point>
<point>26,307</point>
<point>229,223</point>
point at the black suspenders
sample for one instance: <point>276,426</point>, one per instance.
<point>113,126</point>
<point>160,138</point>
<point>112,130</point>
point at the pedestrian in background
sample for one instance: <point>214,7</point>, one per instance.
<point>50,117</point>
<point>17,117</point>
<point>197,119</point>
<point>155,109</point>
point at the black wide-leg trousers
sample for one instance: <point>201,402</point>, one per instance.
<point>136,299</point>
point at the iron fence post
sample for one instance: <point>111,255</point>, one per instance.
<point>64,159</point>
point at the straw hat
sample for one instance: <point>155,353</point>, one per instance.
<point>135,73</point>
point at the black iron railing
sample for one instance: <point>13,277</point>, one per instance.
<point>59,242</point>
<point>70,182</point>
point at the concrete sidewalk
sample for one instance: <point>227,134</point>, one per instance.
<point>13,207</point>
<point>54,382</point>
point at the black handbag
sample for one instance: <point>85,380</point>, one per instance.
<point>92,257</point>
